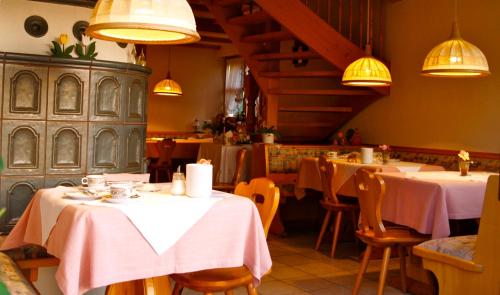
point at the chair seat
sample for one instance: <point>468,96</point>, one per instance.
<point>214,280</point>
<point>462,247</point>
<point>338,206</point>
<point>392,236</point>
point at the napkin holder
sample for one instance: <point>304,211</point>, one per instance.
<point>199,180</point>
<point>366,155</point>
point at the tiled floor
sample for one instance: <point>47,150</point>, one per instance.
<point>298,269</point>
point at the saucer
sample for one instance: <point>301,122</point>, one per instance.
<point>147,188</point>
<point>81,196</point>
<point>117,200</point>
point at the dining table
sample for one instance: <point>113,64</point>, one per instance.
<point>426,201</point>
<point>223,159</point>
<point>100,243</point>
<point>308,175</point>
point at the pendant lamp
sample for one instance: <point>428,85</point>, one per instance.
<point>367,71</point>
<point>167,86</point>
<point>455,57</point>
<point>143,21</point>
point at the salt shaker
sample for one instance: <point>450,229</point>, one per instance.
<point>178,183</point>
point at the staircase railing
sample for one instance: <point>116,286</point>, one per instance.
<point>349,17</point>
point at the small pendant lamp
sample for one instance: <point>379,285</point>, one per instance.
<point>367,71</point>
<point>143,21</point>
<point>167,86</point>
<point>455,57</point>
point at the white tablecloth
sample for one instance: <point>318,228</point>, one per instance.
<point>224,160</point>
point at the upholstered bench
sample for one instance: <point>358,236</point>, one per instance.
<point>460,247</point>
<point>12,280</point>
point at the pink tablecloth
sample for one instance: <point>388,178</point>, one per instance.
<point>99,246</point>
<point>426,201</point>
<point>309,177</point>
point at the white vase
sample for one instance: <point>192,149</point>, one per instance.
<point>268,138</point>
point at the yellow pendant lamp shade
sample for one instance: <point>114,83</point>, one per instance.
<point>455,58</point>
<point>367,71</point>
<point>143,21</point>
<point>167,87</point>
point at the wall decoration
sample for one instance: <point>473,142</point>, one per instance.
<point>79,29</point>
<point>36,26</point>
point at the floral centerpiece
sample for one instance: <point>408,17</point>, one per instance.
<point>463,162</point>
<point>268,134</point>
<point>386,150</point>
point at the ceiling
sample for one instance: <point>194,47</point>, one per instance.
<point>212,35</point>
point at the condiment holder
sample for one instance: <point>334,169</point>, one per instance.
<point>178,183</point>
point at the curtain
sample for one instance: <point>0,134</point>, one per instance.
<point>233,96</point>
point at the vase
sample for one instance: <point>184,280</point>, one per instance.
<point>268,138</point>
<point>464,167</point>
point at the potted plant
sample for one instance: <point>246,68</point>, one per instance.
<point>268,134</point>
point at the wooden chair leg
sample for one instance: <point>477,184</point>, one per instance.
<point>338,222</point>
<point>383,271</point>
<point>177,289</point>
<point>326,220</point>
<point>362,269</point>
<point>229,292</point>
<point>251,289</point>
<point>355,225</point>
<point>402,266</point>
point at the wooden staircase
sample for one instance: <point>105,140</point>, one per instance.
<point>306,103</point>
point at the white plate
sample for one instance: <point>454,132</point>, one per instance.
<point>133,183</point>
<point>81,196</point>
<point>95,188</point>
<point>117,201</point>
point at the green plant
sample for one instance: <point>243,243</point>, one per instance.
<point>268,130</point>
<point>85,51</point>
<point>59,50</point>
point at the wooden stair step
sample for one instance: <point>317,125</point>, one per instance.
<point>306,125</point>
<point>287,55</point>
<point>258,17</point>
<point>302,74</point>
<point>277,91</point>
<point>317,109</point>
<point>268,37</point>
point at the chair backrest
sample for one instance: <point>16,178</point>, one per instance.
<point>371,190</point>
<point>265,195</point>
<point>165,150</point>
<point>327,170</point>
<point>240,163</point>
<point>488,239</point>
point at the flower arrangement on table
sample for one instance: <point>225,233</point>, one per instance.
<point>386,152</point>
<point>229,130</point>
<point>463,162</point>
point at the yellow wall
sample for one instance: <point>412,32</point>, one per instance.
<point>433,112</point>
<point>200,72</point>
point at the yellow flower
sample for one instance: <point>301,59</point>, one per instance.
<point>63,39</point>
<point>463,155</point>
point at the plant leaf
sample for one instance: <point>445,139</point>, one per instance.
<point>68,50</point>
<point>57,49</point>
<point>79,50</point>
<point>91,49</point>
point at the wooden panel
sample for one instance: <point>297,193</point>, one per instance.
<point>250,19</point>
<point>302,74</point>
<point>320,92</point>
<point>286,55</point>
<point>319,109</point>
<point>267,37</point>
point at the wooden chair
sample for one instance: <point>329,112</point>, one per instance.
<point>371,191</point>
<point>469,264</point>
<point>240,164</point>
<point>265,195</point>
<point>332,204</point>
<point>164,164</point>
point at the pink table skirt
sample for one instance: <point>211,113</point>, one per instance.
<point>427,205</point>
<point>99,246</point>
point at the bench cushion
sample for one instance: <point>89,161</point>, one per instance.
<point>462,247</point>
<point>12,278</point>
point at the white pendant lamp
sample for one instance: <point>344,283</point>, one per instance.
<point>455,57</point>
<point>367,71</point>
<point>143,21</point>
<point>168,86</point>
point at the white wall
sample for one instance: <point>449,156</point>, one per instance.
<point>433,112</point>
<point>60,19</point>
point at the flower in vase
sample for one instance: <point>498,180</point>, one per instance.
<point>384,147</point>
<point>463,155</point>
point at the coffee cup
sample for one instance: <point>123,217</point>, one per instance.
<point>121,191</point>
<point>94,180</point>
